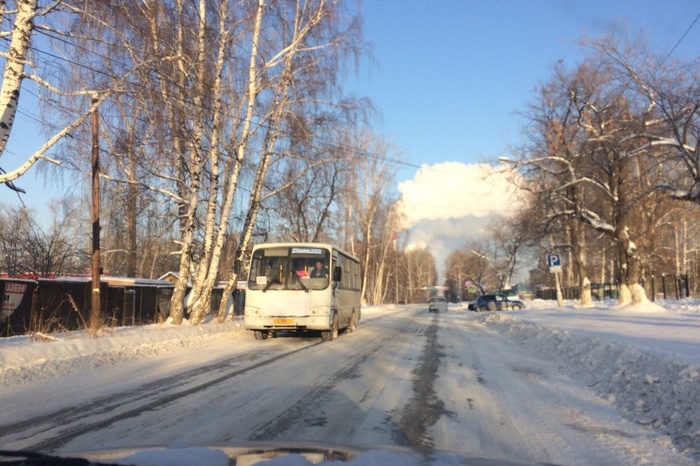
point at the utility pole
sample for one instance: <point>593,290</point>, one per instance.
<point>459,285</point>
<point>95,302</point>
<point>396,277</point>
<point>396,271</point>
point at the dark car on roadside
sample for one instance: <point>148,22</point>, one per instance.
<point>497,302</point>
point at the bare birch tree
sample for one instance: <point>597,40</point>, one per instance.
<point>215,85</point>
<point>26,19</point>
<point>422,274</point>
<point>316,40</point>
<point>307,209</point>
<point>371,204</point>
<point>32,250</point>
<point>597,172</point>
<point>512,236</point>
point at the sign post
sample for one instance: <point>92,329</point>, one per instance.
<point>554,263</point>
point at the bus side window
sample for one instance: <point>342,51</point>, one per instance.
<point>355,279</point>
<point>338,275</point>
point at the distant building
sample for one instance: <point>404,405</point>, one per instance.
<point>172,277</point>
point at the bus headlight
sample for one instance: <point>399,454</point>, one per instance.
<point>320,311</point>
<point>251,311</point>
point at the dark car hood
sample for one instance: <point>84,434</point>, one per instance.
<point>262,453</point>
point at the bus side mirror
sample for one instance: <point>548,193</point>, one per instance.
<point>337,273</point>
<point>237,266</point>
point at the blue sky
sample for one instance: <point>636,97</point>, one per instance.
<point>450,75</point>
<point>448,79</point>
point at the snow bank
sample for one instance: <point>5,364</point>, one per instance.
<point>651,389</point>
<point>28,359</point>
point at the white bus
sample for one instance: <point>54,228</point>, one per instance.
<point>302,287</point>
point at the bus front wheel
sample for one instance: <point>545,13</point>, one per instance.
<point>353,323</point>
<point>331,334</point>
<point>260,335</point>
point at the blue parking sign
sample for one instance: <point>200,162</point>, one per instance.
<point>553,260</point>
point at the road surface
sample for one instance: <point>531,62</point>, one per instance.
<point>405,377</point>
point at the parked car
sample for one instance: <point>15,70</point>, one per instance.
<point>510,293</point>
<point>497,302</point>
<point>437,304</point>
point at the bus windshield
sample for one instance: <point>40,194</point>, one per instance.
<point>289,268</point>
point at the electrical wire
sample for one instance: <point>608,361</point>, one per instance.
<point>668,55</point>
<point>205,107</point>
<point>341,147</point>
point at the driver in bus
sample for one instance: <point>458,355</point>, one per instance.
<point>319,271</point>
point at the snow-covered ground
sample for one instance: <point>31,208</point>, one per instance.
<point>645,360</point>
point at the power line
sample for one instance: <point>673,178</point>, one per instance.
<point>202,105</point>
<point>668,55</point>
<point>29,115</point>
<point>189,102</point>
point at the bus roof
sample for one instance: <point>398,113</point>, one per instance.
<point>304,245</point>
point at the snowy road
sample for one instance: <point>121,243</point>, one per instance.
<point>404,377</point>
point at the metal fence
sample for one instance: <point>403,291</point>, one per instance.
<point>50,305</point>
<point>667,286</point>
<point>663,286</point>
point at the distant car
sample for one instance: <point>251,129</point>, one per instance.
<point>437,304</point>
<point>497,302</point>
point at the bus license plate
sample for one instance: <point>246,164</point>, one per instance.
<point>283,321</point>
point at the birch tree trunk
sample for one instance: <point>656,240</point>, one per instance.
<point>14,69</point>
<point>252,93</point>
<point>578,242</point>
<point>188,168</point>
<point>214,231</point>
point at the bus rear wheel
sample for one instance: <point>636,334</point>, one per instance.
<point>331,334</point>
